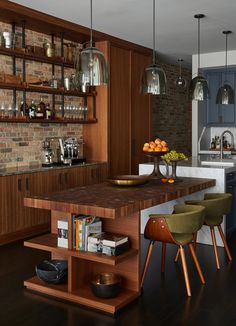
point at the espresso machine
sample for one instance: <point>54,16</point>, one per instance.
<point>70,150</point>
<point>47,154</point>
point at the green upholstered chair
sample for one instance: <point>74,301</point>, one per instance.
<point>217,205</point>
<point>177,228</point>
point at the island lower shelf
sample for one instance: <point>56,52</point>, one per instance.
<point>83,296</point>
<point>48,242</point>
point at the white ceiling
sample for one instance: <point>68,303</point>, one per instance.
<point>176,29</point>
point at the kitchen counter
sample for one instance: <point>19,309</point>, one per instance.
<point>119,208</point>
<point>191,168</point>
<point>40,168</point>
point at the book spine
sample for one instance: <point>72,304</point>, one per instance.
<point>77,234</point>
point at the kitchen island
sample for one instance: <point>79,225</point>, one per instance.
<point>119,208</point>
<point>193,168</point>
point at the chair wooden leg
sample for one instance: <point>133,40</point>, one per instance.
<point>177,256</point>
<point>150,248</point>
<point>215,246</point>
<point>224,242</point>
<point>163,257</point>
<point>185,270</point>
<point>191,248</point>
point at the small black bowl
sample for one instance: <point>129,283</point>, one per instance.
<point>52,271</point>
<point>106,285</point>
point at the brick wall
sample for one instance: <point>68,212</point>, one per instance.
<point>21,143</point>
<point>172,113</point>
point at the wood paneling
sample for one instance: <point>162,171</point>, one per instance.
<point>120,102</point>
<point>141,110</point>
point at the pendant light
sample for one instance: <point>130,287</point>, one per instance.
<point>180,82</point>
<point>94,70</point>
<point>225,93</point>
<point>154,78</point>
<point>199,86</point>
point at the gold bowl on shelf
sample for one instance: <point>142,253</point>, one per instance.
<point>129,180</point>
<point>106,285</point>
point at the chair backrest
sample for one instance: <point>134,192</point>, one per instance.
<point>186,218</point>
<point>217,204</point>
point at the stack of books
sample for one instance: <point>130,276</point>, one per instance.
<point>83,226</point>
<point>110,244</point>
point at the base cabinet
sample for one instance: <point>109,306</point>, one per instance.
<point>16,220</point>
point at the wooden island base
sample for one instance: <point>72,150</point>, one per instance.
<point>119,208</point>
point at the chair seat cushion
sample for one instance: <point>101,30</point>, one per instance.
<point>182,238</point>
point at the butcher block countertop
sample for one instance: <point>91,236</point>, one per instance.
<point>110,201</point>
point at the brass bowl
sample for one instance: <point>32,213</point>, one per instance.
<point>129,180</point>
<point>106,285</point>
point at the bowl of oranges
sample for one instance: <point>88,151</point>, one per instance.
<point>156,147</point>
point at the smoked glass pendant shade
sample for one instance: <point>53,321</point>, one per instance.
<point>225,95</point>
<point>199,89</point>
<point>154,80</point>
<point>93,67</point>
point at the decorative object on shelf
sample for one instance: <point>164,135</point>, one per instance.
<point>172,158</point>
<point>62,230</point>
<point>199,89</point>
<point>50,49</point>
<point>106,285</point>
<point>225,94</point>
<point>52,271</point>
<point>154,78</point>
<point>129,180</point>
<point>93,64</point>
<point>180,82</point>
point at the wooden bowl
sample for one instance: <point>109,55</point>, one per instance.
<point>129,180</point>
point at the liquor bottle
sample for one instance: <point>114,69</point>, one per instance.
<point>32,110</point>
<point>41,109</point>
<point>217,141</point>
<point>48,112</point>
<point>22,105</point>
<point>213,144</point>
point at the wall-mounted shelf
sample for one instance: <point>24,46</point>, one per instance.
<point>43,89</point>
<point>55,120</point>
<point>20,53</point>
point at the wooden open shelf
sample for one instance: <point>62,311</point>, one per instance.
<point>56,120</point>
<point>20,53</point>
<point>48,242</point>
<point>83,295</point>
<point>47,90</point>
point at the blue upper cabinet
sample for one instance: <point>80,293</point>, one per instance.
<point>219,114</point>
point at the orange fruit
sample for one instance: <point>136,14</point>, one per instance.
<point>163,143</point>
<point>164,180</point>
<point>146,145</point>
<point>171,180</point>
<point>145,148</point>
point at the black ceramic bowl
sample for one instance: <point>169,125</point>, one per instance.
<point>106,285</point>
<point>52,271</point>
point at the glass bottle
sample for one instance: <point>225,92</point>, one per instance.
<point>32,110</point>
<point>213,144</point>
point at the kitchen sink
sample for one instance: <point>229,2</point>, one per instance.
<point>220,162</point>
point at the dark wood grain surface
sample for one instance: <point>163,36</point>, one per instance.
<point>109,201</point>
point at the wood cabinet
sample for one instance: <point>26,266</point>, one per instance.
<point>219,114</point>
<point>18,221</point>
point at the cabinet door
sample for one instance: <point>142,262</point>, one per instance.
<point>228,111</point>
<point>120,102</point>
<point>140,111</point>
<point>213,110</point>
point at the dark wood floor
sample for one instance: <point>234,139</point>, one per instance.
<point>163,302</point>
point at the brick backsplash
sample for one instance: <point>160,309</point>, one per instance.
<point>21,143</point>
<point>172,113</point>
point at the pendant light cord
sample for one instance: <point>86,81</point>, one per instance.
<point>199,43</point>
<point>153,32</point>
<point>91,23</point>
<point>226,50</point>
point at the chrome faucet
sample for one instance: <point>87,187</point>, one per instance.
<point>221,141</point>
